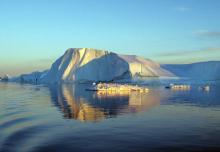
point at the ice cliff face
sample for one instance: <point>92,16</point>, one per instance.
<point>142,67</point>
<point>202,70</point>
<point>34,77</point>
<point>84,64</point>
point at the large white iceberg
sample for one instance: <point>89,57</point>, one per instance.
<point>86,64</point>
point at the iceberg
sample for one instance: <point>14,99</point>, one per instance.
<point>201,71</point>
<point>5,78</point>
<point>34,77</point>
<point>86,64</point>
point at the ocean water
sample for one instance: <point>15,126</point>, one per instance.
<point>38,118</point>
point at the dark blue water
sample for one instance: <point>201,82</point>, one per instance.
<point>67,118</point>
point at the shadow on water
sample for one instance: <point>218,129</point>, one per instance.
<point>76,103</point>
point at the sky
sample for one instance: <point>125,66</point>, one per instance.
<point>34,33</point>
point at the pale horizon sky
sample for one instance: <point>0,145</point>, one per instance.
<point>34,33</point>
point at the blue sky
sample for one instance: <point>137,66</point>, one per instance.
<point>33,33</point>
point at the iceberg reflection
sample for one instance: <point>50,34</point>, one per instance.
<point>76,103</point>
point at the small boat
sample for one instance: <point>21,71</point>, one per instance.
<point>168,87</point>
<point>113,87</point>
<point>205,88</point>
<point>178,87</point>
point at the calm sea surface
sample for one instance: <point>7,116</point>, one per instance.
<point>37,118</point>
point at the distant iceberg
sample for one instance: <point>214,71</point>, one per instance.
<point>5,78</point>
<point>34,77</point>
<point>201,70</point>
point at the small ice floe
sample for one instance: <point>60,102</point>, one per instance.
<point>5,78</point>
<point>178,87</point>
<point>114,87</point>
<point>205,88</point>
